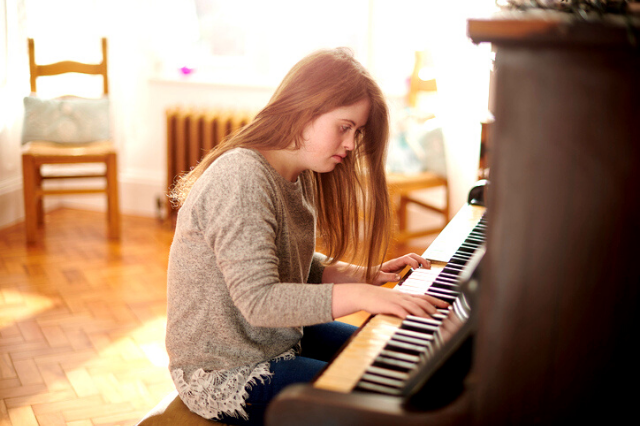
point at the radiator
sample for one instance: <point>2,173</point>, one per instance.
<point>191,133</point>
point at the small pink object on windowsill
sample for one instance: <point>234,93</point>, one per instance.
<point>185,71</point>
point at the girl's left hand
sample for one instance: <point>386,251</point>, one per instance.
<point>389,270</point>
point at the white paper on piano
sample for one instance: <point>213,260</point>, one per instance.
<point>454,233</point>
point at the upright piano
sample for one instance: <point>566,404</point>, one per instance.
<point>547,307</point>
<point>405,364</point>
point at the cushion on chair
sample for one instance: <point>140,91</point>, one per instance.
<point>73,120</point>
<point>417,145</point>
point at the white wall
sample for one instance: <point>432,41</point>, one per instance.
<point>139,101</point>
<point>142,149</point>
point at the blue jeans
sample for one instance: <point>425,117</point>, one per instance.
<point>319,344</point>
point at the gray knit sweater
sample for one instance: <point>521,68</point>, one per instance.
<point>243,277</point>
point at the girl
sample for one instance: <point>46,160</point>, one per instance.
<point>250,303</point>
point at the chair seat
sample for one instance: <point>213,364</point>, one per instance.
<point>40,153</point>
<point>52,149</point>
<point>171,411</point>
<point>399,183</point>
<point>400,187</point>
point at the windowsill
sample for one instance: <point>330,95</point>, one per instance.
<point>230,83</point>
<point>241,83</point>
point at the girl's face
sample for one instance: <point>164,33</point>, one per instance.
<point>328,139</point>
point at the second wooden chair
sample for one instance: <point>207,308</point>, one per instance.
<point>67,130</point>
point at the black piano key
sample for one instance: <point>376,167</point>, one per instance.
<point>386,372</point>
<point>404,347</point>
<point>446,287</point>
<point>447,278</point>
<point>457,260</point>
<point>374,378</point>
<point>414,334</point>
<point>442,294</point>
<point>378,388</point>
<point>415,319</point>
<point>385,364</point>
<point>448,275</point>
<point>452,268</point>
<point>446,291</point>
<point>462,255</point>
<point>448,299</point>
<point>408,359</point>
<point>395,362</point>
<point>408,339</point>
<point>475,236</point>
<point>474,240</point>
<point>465,248</point>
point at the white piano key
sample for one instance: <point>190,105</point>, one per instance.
<point>388,373</point>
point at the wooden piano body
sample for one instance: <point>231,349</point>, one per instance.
<point>557,312</point>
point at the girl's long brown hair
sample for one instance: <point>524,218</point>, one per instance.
<point>352,201</point>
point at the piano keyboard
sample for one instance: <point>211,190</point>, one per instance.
<point>387,350</point>
<point>442,282</point>
<point>454,234</point>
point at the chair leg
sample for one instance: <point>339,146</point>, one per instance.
<point>113,209</point>
<point>402,213</point>
<point>30,199</point>
<point>446,209</point>
<point>37,176</point>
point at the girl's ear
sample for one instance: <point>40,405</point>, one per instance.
<point>305,134</point>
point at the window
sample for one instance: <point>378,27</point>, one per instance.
<point>256,41</point>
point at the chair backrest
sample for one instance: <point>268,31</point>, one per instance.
<point>417,84</point>
<point>67,67</point>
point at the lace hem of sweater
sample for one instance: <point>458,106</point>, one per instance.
<point>210,394</point>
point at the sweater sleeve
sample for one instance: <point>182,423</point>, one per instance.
<point>239,213</point>
<point>317,268</point>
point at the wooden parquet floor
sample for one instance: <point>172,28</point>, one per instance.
<point>82,322</point>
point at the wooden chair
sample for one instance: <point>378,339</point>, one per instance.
<point>402,187</point>
<point>40,151</point>
<point>416,84</point>
<point>485,148</point>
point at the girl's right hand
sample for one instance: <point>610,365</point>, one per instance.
<point>351,298</point>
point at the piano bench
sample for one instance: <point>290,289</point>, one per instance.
<point>171,411</point>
